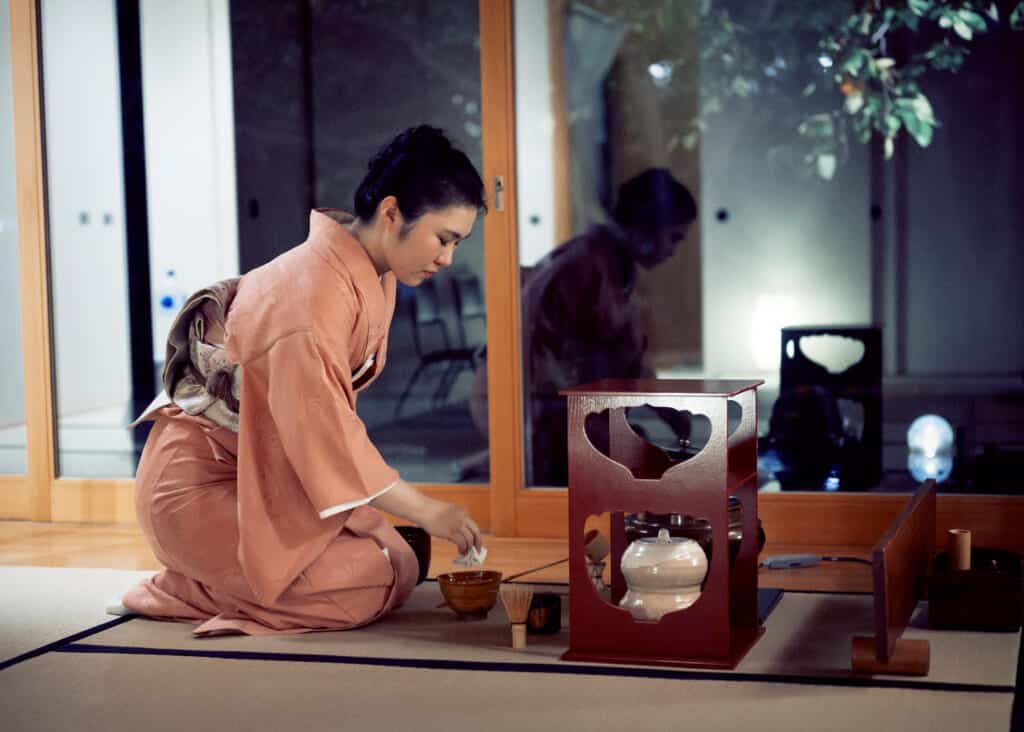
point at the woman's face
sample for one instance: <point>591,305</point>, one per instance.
<point>429,244</point>
<point>652,250</point>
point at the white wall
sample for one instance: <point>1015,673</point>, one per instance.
<point>534,130</point>
<point>84,176</point>
<point>190,145</point>
<point>793,251</point>
<point>12,382</point>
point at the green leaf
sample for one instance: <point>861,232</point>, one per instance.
<point>945,57</point>
<point>974,20</point>
<point>924,139</point>
<point>921,132</point>
<point>808,90</point>
<point>891,124</point>
<point>855,61</point>
<point>923,108</point>
<point>962,29</point>
<point>920,129</point>
<point>993,12</point>
<point>889,148</point>
<point>912,124</point>
<point>919,7</point>
<point>1017,17</point>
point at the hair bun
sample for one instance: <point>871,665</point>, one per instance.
<point>423,170</point>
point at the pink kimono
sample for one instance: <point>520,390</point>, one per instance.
<point>237,518</point>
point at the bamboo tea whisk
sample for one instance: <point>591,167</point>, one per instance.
<point>516,600</point>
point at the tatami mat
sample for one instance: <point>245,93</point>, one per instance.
<point>41,605</point>
<point>114,692</point>
<point>422,669</point>
<point>807,634</point>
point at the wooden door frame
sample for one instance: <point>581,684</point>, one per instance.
<point>30,498</point>
<point>501,263</point>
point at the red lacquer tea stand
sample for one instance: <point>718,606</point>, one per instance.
<point>722,625</point>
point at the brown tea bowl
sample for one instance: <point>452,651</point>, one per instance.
<point>471,594</point>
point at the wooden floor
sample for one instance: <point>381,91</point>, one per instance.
<point>25,543</point>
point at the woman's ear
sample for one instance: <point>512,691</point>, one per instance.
<point>389,213</point>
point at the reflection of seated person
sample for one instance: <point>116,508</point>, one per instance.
<point>582,321</point>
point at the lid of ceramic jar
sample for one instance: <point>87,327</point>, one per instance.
<point>663,547</point>
<point>664,537</point>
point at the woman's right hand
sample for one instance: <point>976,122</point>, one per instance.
<point>452,522</point>
<point>439,518</point>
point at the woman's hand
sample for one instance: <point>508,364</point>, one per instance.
<point>439,518</point>
<point>452,522</point>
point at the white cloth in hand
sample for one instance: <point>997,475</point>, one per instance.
<point>472,558</point>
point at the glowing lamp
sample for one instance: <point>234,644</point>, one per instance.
<point>930,435</point>
<point>930,439</point>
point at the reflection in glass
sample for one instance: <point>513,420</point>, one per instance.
<point>12,380</point>
<point>252,114</point>
<point>930,442</point>
<point>604,287</point>
<point>924,467</point>
<point>737,101</point>
<point>843,176</point>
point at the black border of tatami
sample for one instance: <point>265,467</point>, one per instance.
<point>543,668</point>
<point>58,644</point>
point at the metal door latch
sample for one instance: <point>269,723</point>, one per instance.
<point>499,193</point>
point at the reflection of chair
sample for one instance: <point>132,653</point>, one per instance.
<point>426,313</point>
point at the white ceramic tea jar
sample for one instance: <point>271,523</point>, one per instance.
<point>663,574</point>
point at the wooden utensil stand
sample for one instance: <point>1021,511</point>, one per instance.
<point>901,561</point>
<point>722,625</point>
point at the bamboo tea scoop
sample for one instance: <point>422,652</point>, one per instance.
<point>595,546</point>
<point>536,569</point>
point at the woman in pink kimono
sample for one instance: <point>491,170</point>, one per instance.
<point>258,488</point>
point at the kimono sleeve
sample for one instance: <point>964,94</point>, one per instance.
<point>312,404</point>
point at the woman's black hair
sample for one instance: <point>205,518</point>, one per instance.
<point>654,200</point>
<point>424,171</point>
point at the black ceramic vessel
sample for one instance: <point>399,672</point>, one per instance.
<point>545,614</point>
<point>419,540</point>
<point>988,596</point>
<point>646,525</point>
